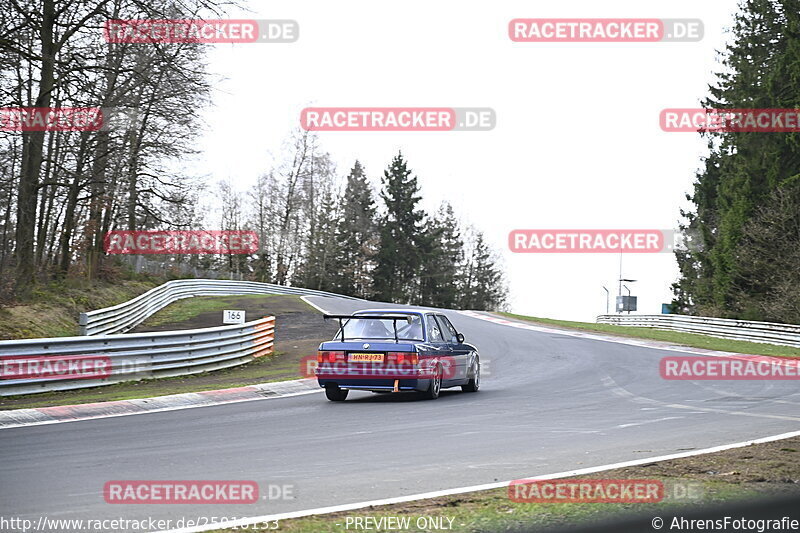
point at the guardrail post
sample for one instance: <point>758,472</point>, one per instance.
<point>83,320</point>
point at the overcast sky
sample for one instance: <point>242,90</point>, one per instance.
<point>577,142</point>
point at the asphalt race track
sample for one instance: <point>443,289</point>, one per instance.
<point>548,403</point>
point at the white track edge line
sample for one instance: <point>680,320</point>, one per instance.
<point>315,306</point>
<point>474,488</point>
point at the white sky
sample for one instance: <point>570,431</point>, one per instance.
<point>577,143</point>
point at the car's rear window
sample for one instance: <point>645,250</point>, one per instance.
<point>376,328</point>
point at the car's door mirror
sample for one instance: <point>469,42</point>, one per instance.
<point>460,338</point>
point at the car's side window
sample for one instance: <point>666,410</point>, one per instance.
<point>449,330</point>
<point>434,332</point>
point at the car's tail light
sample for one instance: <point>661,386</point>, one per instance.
<point>329,357</point>
<point>402,358</point>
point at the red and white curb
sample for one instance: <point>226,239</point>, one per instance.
<point>643,343</point>
<point>90,411</point>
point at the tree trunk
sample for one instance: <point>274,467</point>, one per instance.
<point>32,159</point>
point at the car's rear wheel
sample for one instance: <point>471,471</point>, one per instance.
<point>475,382</point>
<point>436,384</point>
<point>335,394</point>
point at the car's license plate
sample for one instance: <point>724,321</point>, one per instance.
<point>366,358</point>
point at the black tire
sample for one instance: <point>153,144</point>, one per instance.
<point>475,383</point>
<point>335,394</point>
<point>436,385</point>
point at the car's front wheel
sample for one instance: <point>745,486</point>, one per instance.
<point>335,394</point>
<point>475,382</point>
<point>436,384</point>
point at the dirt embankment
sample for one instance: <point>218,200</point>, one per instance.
<point>52,310</point>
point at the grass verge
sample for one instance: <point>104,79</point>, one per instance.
<point>52,309</point>
<point>183,313</point>
<point>757,471</point>
<point>674,337</point>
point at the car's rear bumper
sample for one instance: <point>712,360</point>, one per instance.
<point>377,384</point>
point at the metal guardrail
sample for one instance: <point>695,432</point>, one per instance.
<point>743,330</point>
<point>127,315</point>
<point>39,365</point>
<point>133,356</point>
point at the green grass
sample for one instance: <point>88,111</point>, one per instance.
<point>189,308</point>
<point>765,470</point>
<point>492,510</point>
<point>52,309</point>
<point>762,470</point>
<point>674,337</point>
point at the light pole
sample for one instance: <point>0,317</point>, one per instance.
<point>626,280</point>
<point>629,291</point>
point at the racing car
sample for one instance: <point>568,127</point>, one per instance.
<point>396,351</point>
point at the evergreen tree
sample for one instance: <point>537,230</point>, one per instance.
<point>770,255</point>
<point>695,266</point>
<point>761,69</point>
<point>484,287</point>
<point>356,236</point>
<point>398,259</point>
<point>318,269</point>
<point>442,259</point>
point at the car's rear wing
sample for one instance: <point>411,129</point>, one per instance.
<point>393,318</point>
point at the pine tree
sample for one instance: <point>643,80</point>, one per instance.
<point>484,287</point>
<point>316,266</point>
<point>769,257</point>
<point>398,259</point>
<point>317,269</point>
<point>761,70</point>
<point>356,237</point>
<point>442,260</point>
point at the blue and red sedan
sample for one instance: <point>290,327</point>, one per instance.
<point>394,351</point>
